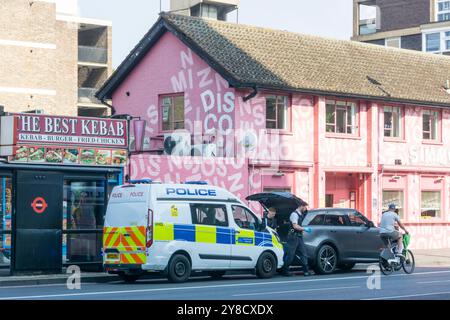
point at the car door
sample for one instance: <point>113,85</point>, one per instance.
<point>336,229</point>
<point>248,241</point>
<point>213,235</point>
<point>366,237</point>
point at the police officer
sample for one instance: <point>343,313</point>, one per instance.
<point>269,218</point>
<point>295,245</point>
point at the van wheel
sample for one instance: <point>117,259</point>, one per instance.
<point>266,266</point>
<point>179,269</point>
<point>216,274</point>
<point>129,278</point>
<point>326,260</point>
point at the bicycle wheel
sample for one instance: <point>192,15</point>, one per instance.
<point>409,263</point>
<point>385,267</point>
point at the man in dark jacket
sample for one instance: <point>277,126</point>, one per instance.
<point>269,219</point>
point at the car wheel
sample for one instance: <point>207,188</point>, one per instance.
<point>266,266</point>
<point>347,266</point>
<point>129,278</point>
<point>179,269</point>
<point>326,260</point>
<point>216,274</point>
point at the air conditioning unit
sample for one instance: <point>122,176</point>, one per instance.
<point>177,144</point>
<point>204,150</point>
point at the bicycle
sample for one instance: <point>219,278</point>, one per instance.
<point>389,261</point>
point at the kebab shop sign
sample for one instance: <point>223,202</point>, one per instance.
<point>69,140</point>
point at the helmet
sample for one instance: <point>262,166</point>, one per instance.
<point>392,206</point>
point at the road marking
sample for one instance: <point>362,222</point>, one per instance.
<point>291,291</point>
<point>439,281</point>
<point>44,285</point>
<point>410,296</point>
<point>212,286</point>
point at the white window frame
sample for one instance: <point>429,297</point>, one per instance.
<point>442,40</point>
<point>399,39</point>
<point>437,2</point>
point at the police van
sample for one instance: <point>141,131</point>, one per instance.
<point>177,229</point>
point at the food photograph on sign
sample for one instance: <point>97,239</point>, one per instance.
<point>54,155</point>
<point>20,154</point>
<point>103,157</point>
<point>36,154</point>
<point>87,156</point>
<point>119,157</point>
<point>71,156</point>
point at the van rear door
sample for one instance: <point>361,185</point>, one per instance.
<point>126,223</point>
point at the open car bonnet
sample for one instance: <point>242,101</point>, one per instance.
<point>284,202</point>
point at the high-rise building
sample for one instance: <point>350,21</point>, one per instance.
<point>51,60</point>
<point>422,25</point>
<point>212,9</point>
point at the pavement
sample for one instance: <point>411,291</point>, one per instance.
<point>439,258</point>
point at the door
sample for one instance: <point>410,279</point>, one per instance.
<point>336,228</point>
<point>37,238</point>
<point>249,242</point>
<point>368,239</point>
<point>213,236</point>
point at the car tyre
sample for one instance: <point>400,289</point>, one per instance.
<point>266,266</point>
<point>179,269</point>
<point>326,260</point>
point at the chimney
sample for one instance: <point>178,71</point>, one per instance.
<point>210,9</point>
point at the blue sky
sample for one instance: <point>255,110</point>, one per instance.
<point>132,18</point>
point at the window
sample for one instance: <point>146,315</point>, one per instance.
<point>334,220</point>
<point>392,123</point>
<point>173,113</point>
<point>317,220</point>
<point>341,117</point>
<point>431,204</point>
<point>393,42</point>
<point>244,218</point>
<point>430,124</point>
<point>433,42</point>
<point>357,219</point>
<point>393,197</point>
<point>443,10</point>
<point>209,214</point>
<point>447,40</point>
<point>277,116</point>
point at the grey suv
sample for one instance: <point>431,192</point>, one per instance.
<point>340,238</point>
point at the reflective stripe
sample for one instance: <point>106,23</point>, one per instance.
<point>130,241</point>
<point>163,232</point>
<point>205,234</point>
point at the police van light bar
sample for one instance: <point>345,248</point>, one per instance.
<point>143,181</point>
<point>202,183</point>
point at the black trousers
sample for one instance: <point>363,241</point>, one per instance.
<point>295,246</point>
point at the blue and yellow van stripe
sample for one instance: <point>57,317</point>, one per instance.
<point>213,234</point>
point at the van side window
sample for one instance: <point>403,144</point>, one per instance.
<point>209,214</point>
<point>244,218</point>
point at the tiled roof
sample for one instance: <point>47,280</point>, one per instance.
<point>249,56</point>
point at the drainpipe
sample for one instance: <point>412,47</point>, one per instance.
<point>251,95</point>
<point>113,110</point>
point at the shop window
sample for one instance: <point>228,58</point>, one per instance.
<point>430,125</point>
<point>392,122</point>
<point>84,209</point>
<point>172,112</point>
<point>5,220</point>
<point>277,115</point>
<point>393,197</point>
<point>244,218</point>
<point>341,117</point>
<point>431,204</point>
<point>209,214</point>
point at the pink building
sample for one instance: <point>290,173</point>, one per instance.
<point>338,123</point>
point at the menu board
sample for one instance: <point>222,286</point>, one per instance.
<point>69,156</point>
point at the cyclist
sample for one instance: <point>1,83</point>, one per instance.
<point>388,230</point>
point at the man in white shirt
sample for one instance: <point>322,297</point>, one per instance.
<point>388,230</point>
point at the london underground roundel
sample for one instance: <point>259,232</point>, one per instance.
<point>39,205</point>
